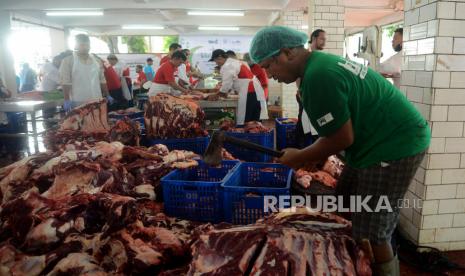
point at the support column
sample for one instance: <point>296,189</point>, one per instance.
<point>433,78</point>
<point>329,16</point>
<point>293,19</point>
<point>7,70</point>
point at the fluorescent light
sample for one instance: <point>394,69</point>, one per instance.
<point>74,13</point>
<point>304,27</point>
<point>142,27</point>
<point>210,28</point>
<point>216,13</point>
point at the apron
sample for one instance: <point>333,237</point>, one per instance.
<point>242,87</point>
<point>85,81</point>
<point>157,88</point>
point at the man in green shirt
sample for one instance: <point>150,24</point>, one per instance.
<point>355,110</point>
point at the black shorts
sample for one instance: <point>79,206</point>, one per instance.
<point>253,108</point>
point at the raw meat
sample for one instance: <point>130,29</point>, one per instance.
<point>333,166</point>
<point>300,243</point>
<point>326,173</point>
<point>172,117</point>
<point>226,155</point>
<point>128,111</point>
<point>125,131</point>
<point>90,117</point>
<point>249,127</point>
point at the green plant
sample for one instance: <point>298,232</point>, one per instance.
<point>391,28</point>
<point>136,44</point>
<point>168,40</point>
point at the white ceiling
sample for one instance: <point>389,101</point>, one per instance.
<point>173,13</point>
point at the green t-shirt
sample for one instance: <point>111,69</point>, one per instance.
<point>386,125</point>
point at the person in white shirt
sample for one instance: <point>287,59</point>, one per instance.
<point>50,76</point>
<point>82,76</point>
<point>391,68</point>
<point>318,40</point>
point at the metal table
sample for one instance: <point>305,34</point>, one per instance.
<point>29,107</point>
<point>226,103</point>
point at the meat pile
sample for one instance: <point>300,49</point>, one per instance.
<point>88,124</point>
<point>249,127</point>
<point>90,209</point>
<point>301,243</point>
<point>128,111</point>
<point>326,174</point>
<point>125,131</point>
<point>90,117</point>
<point>172,117</point>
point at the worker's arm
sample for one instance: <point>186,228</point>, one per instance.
<point>67,92</point>
<point>66,79</point>
<point>176,86</point>
<point>321,149</point>
<point>103,81</point>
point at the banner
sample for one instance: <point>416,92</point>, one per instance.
<point>202,47</point>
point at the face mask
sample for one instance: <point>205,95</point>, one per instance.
<point>398,48</point>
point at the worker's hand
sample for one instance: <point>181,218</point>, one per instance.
<point>67,106</point>
<point>291,158</point>
<point>110,99</point>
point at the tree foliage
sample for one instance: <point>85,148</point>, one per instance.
<point>136,44</point>
<point>391,28</point>
<point>168,40</point>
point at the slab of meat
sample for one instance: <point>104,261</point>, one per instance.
<point>249,127</point>
<point>301,243</point>
<point>90,117</point>
<point>226,155</point>
<point>125,131</point>
<point>333,166</point>
<point>172,117</point>
<point>127,111</point>
<point>326,173</point>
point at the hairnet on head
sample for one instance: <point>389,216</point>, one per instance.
<point>270,40</point>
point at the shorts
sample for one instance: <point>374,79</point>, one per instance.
<point>391,180</point>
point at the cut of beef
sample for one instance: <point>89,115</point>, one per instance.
<point>249,127</point>
<point>172,117</point>
<point>91,117</point>
<point>125,131</point>
<point>326,173</point>
<point>300,243</point>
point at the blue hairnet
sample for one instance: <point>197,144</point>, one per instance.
<point>270,40</point>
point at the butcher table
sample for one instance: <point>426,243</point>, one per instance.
<point>30,107</point>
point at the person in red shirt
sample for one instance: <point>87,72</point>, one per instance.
<point>173,48</point>
<point>114,86</point>
<point>236,76</point>
<point>140,80</point>
<point>259,72</point>
<point>165,81</point>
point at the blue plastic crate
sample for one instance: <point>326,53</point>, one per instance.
<point>140,120</point>
<point>243,195</point>
<point>197,145</point>
<point>285,134</point>
<point>17,123</point>
<point>195,193</point>
<point>264,139</point>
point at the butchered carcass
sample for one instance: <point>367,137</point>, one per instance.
<point>171,117</point>
<point>300,243</point>
<point>90,117</point>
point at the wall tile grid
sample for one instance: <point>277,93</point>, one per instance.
<point>434,66</point>
<point>329,16</point>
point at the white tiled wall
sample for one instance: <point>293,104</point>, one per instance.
<point>434,62</point>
